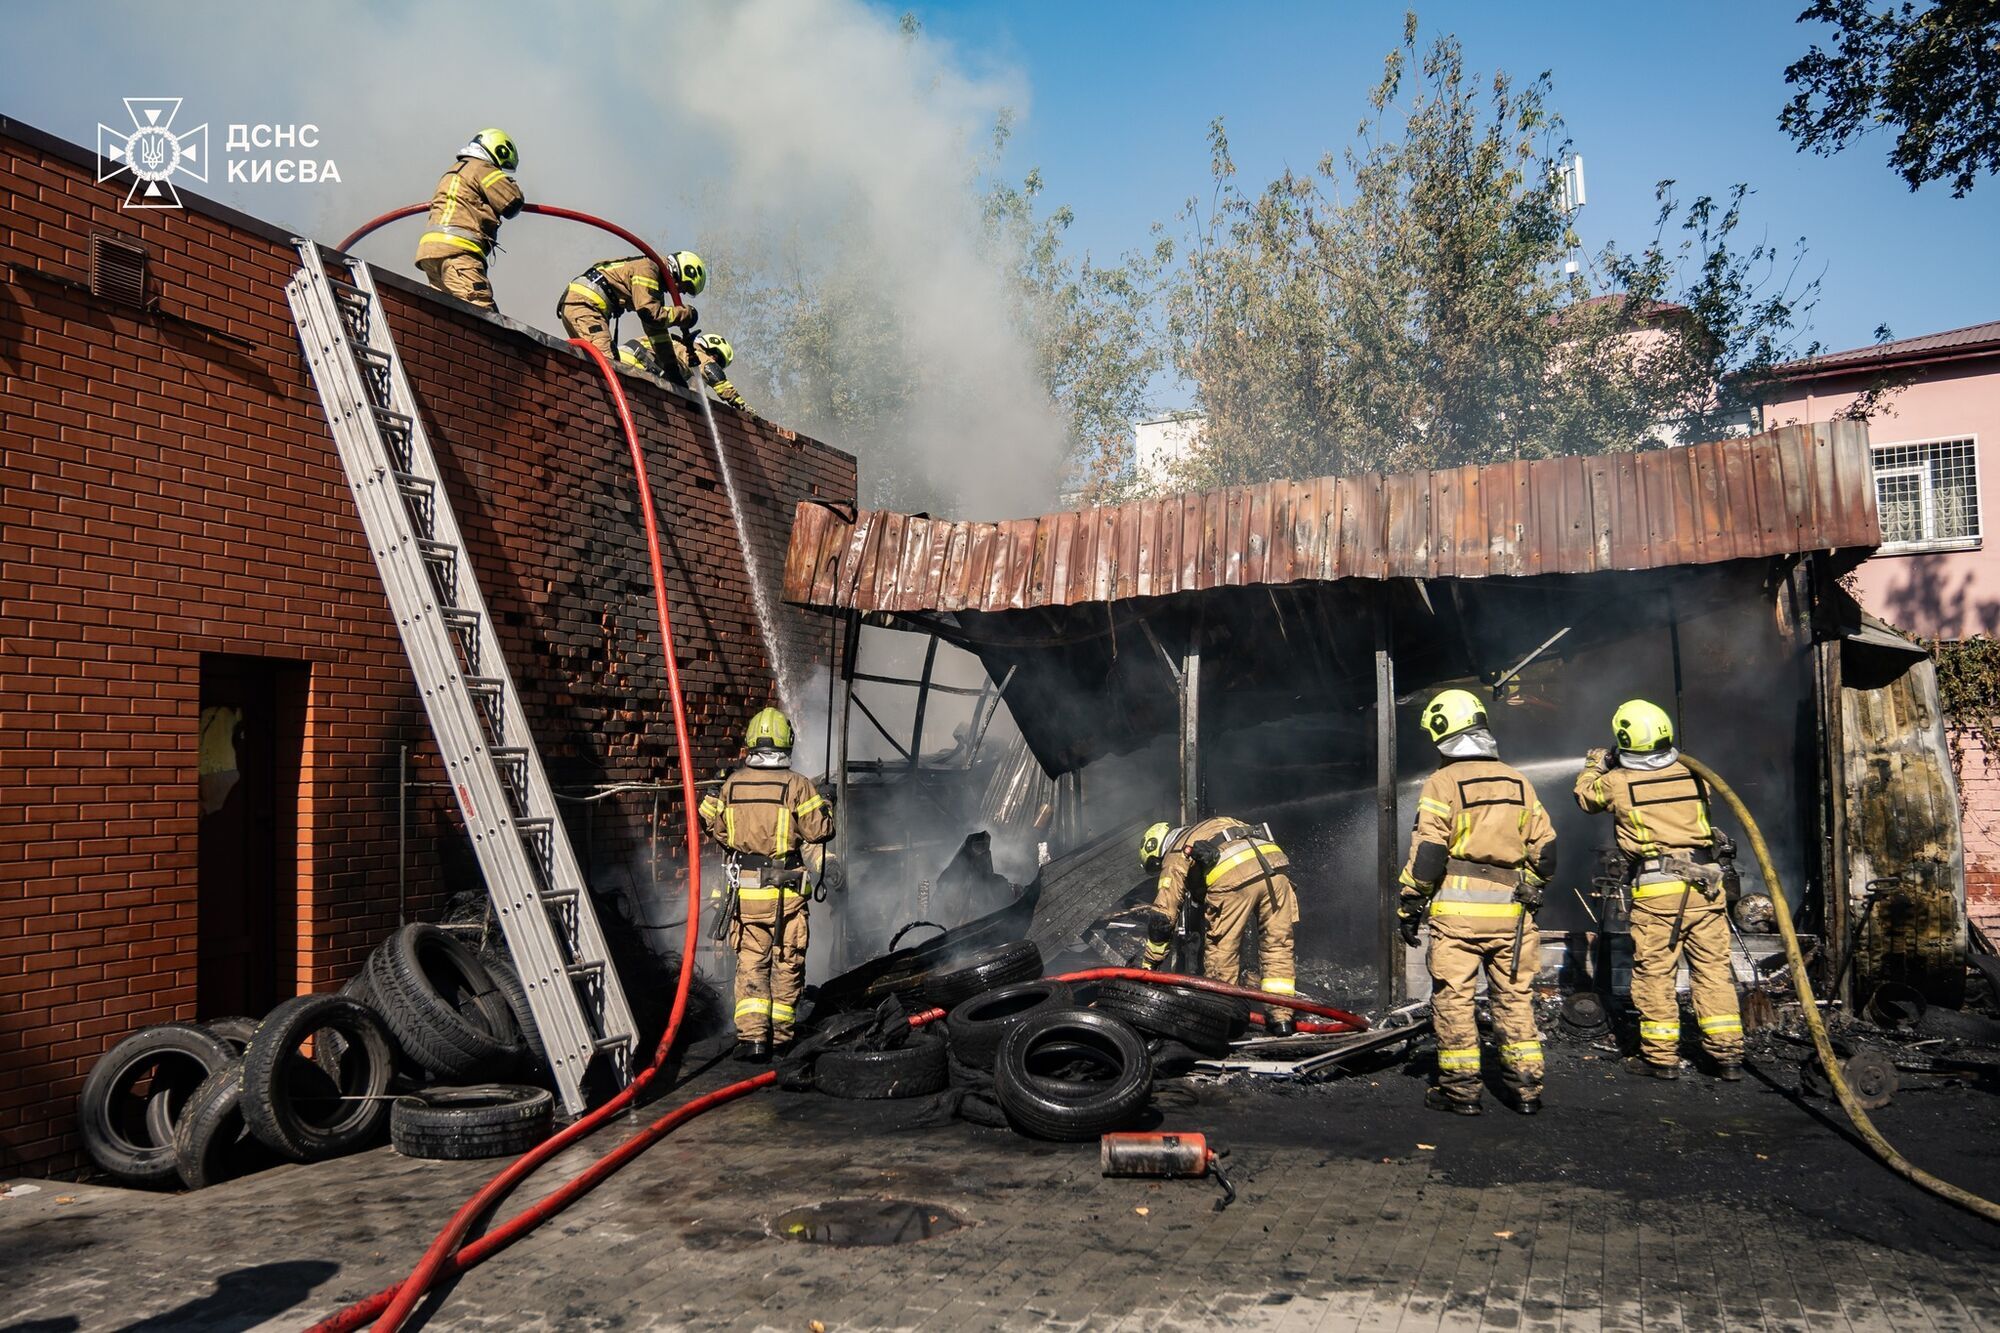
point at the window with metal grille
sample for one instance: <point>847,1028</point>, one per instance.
<point>118,270</point>
<point>1927,494</point>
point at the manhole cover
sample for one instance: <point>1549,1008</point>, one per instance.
<point>865,1222</point>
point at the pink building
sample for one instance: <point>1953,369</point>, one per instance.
<point>1937,450</point>
<point>1934,575</point>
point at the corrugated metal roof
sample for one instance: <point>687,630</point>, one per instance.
<point>1798,488</point>
<point>1971,338</point>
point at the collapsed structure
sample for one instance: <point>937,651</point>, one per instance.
<point>1262,649</point>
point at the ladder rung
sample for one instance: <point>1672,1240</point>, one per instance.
<point>437,550</point>
<point>412,484</point>
<point>590,969</point>
<point>390,419</point>
<point>612,1043</point>
<point>559,897</point>
<point>483,684</point>
<point>369,358</point>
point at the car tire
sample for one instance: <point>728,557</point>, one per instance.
<point>976,1026</point>
<point>1073,1111</point>
<point>298,1107</point>
<point>950,985</point>
<point>440,1003</point>
<point>235,1029</point>
<point>464,1124</point>
<point>534,1062</point>
<point>914,1069</point>
<point>212,1143</point>
<point>130,1137</point>
<point>1200,1022</point>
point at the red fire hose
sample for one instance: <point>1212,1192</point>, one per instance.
<point>356,236</point>
<point>405,1296</point>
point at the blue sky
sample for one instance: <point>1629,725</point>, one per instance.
<point>1122,95</point>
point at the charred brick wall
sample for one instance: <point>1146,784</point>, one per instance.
<point>171,490</point>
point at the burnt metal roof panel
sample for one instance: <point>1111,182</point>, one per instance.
<point>1794,489</point>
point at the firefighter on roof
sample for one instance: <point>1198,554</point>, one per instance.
<point>593,301</point>
<point>466,211</point>
<point>713,349</point>
<point>766,816</point>
<point>1238,875</point>
<point>1481,850</point>
<point>1680,870</point>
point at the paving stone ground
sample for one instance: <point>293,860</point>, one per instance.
<point>1627,1205</point>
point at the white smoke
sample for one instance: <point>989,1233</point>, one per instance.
<point>816,121</point>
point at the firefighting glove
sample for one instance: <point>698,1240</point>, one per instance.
<point>1408,924</point>
<point>1528,894</point>
<point>1159,934</point>
<point>1598,760</point>
<point>682,316</point>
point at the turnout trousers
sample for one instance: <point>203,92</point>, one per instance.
<point>463,276</point>
<point>586,321</point>
<point>1274,906</point>
<point>769,935</point>
<point>1460,947</point>
<point>1705,941</point>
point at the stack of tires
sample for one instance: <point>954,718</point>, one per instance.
<point>1056,1070</point>
<point>325,1075</point>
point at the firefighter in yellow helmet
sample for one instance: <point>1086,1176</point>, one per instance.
<point>1482,848</point>
<point>1680,868</point>
<point>1239,875</point>
<point>466,211</point>
<point>595,298</point>
<point>671,363</point>
<point>766,816</point>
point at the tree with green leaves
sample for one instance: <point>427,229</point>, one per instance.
<point>1412,302</point>
<point>1931,72</point>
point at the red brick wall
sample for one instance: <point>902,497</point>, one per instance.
<point>1979,800</point>
<point>170,489</point>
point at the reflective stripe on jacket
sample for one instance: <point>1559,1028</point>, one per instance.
<point>466,210</point>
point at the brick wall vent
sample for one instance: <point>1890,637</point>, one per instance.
<point>118,270</point>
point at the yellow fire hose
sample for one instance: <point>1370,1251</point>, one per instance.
<point>1894,1160</point>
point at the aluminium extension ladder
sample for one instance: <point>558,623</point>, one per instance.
<point>482,734</point>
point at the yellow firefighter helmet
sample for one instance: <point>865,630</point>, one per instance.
<point>1153,845</point>
<point>717,345</point>
<point>769,730</point>
<point>690,271</point>
<point>1452,712</point>
<point>1642,727</point>
<point>499,146</point>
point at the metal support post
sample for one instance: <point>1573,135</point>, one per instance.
<point>1389,980</point>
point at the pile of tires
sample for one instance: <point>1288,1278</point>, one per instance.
<point>195,1104</point>
<point>1014,1048</point>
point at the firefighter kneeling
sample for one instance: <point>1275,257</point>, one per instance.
<point>1237,874</point>
<point>766,816</point>
<point>1682,871</point>
<point>1482,848</point>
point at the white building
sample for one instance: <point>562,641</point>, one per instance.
<point>1162,442</point>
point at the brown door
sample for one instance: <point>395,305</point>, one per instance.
<point>252,735</point>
